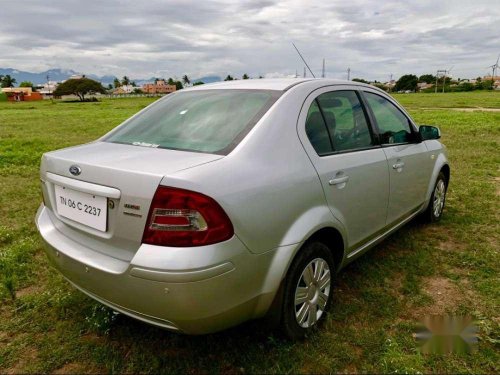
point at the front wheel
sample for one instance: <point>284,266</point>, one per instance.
<point>308,290</point>
<point>438,198</point>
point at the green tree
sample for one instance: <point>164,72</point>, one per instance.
<point>133,84</point>
<point>198,83</point>
<point>185,79</point>
<point>360,80</point>
<point>245,76</point>
<point>79,87</point>
<point>379,85</point>
<point>26,84</point>
<point>110,86</point>
<point>178,85</point>
<point>467,86</point>
<point>229,78</point>
<point>407,82</point>
<point>8,81</point>
<point>125,81</point>
<point>116,83</point>
<point>427,78</point>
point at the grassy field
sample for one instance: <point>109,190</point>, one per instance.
<point>450,267</point>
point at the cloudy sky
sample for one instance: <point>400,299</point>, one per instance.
<point>172,37</point>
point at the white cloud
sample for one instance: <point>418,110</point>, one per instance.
<point>144,39</point>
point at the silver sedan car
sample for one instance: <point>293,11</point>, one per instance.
<point>228,202</point>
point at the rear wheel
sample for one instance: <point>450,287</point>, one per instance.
<point>308,290</point>
<point>438,198</point>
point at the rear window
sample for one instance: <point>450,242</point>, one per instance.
<point>211,121</point>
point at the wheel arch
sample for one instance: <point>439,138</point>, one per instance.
<point>328,235</point>
<point>333,239</point>
<point>446,171</point>
<point>441,165</point>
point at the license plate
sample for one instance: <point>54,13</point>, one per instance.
<point>86,209</point>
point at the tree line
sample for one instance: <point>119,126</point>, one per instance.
<point>409,82</point>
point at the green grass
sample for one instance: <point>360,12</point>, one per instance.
<point>46,325</point>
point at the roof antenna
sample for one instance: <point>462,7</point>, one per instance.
<point>303,59</point>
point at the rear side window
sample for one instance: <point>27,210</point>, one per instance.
<point>336,122</point>
<point>211,121</point>
<point>346,120</point>
<point>393,125</point>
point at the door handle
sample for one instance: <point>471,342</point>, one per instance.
<point>398,166</point>
<point>339,180</point>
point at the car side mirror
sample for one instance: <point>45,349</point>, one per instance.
<point>429,132</point>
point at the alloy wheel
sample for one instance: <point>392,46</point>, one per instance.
<point>439,197</point>
<point>312,292</point>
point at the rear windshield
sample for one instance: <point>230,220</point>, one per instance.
<point>211,121</point>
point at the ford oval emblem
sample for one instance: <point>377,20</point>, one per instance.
<point>75,170</point>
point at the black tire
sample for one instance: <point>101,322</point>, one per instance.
<point>431,214</point>
<point>312,253</point>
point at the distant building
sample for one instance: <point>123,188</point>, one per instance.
<point>47,89</point>
<point>160,87</point>
<point>390,85</point>
<point>495,79</point>
<point>125,89</point>
<point>21,94</point>
<point>424,85</point>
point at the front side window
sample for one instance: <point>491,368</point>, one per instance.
<point>393,125</point>
<point>211,121</point>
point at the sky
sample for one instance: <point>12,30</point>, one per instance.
<point>170,38</point>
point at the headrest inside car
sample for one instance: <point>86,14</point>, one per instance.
<point>330,102</point>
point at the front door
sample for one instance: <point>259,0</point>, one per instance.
<point>407,157</point>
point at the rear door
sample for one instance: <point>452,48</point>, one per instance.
<point>406,156</point>
<point>352,168</point>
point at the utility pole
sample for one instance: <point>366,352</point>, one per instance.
<point>348,74</point>
<point>436,87</point>
<point>390,82</point>
<point>444,80</point>
<point>323,71</point>
<point>443,74</point>
<point>304,72</point>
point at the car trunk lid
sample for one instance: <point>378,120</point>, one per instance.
<point>126,176</point>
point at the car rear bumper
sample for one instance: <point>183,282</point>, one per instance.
<point>191,290</point>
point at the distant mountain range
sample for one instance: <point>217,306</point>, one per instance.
<point>63,74</point>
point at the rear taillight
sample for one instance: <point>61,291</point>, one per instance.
<point>182,218</point>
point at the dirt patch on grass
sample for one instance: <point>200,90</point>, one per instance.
<point>78,368</point>
<point>451,246</point>
<point>497,184</point>
<point>29,356</point>
<point>446,295</point>
<point>28,291</point>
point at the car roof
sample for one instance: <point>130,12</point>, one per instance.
<point>280,84</point>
